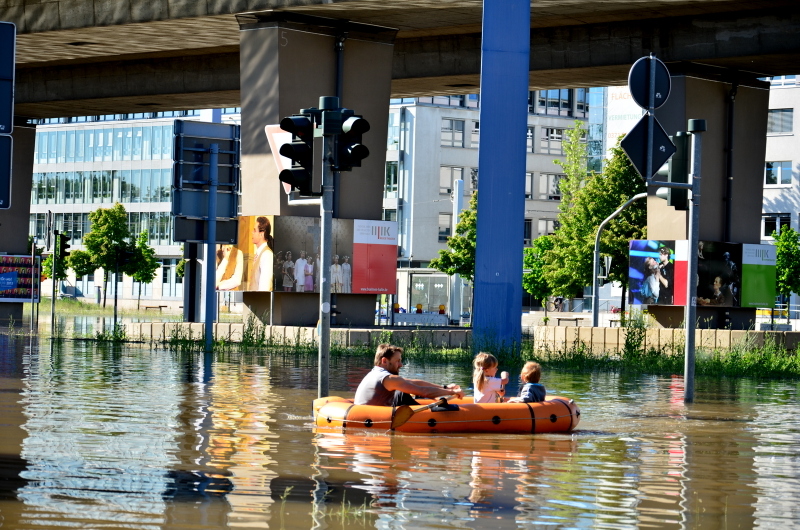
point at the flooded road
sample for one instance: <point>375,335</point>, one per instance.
<point>103,437</point>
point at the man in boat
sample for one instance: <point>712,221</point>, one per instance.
<point>384,386</point>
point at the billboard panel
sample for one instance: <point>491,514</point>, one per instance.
<point>282,253</point>
<point>19,279</point>
<point>728,274</point>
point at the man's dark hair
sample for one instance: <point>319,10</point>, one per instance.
<point>386,351</point>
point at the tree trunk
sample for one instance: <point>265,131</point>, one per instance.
<point>105,287</point>
<point>139,300</point>
<point>624,297</point>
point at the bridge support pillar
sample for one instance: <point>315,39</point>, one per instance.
<point>287,64</point>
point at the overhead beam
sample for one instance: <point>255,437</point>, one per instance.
<point>567,56</point>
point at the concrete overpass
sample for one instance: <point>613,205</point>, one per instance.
<point>86,57</point>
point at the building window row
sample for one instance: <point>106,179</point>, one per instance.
<point>559,102</point>
<point>129,116</point>
<point>471,101</point>
<point>783,80</point>
<point>104,145</point>
<point>126,186</point>
<point>773,222</point>
<point>76,225</point>
<point>777,173</point>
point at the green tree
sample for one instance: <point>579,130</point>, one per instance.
<point>81,263</point>
<point>568,267</point>
<point>574,165</point>
<point>61,269</point>
<point>108,243</point>
<point>787,262</point>
<point>144,264</point>
<point>534,281</point>
<point>459,257</point>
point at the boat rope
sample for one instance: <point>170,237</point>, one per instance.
<point>528,418</point>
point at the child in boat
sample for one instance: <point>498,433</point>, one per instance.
<point>531,391</point>
<point>488,388</point>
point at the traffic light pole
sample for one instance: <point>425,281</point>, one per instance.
<point>55,285</point>
<point>326,249</point>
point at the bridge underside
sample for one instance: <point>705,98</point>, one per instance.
<point>128,65</point>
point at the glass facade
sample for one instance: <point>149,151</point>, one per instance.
<point>107,144</point>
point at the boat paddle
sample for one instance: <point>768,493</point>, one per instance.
<point>404,413</point>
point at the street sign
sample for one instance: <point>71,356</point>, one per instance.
<point>639,82</point>
<point>193,140</point>
<point>196,230</point>
<point>636,146</point>
<point>194,204</point>
<point>6,148</point>
<point>8,38</point>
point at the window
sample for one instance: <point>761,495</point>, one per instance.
<point>780,121</point>
<point>447,175</point>
<point>549,186</point>
<point>773,222</point>
<point>777,173</point>
<point>553,102</point>
<point>393,138</point>
<point>783,80</point>
<point>451,101</point>
<point>445,222</point>
<point>475,138</point>
<point>552,141</point>
<point>452,133</point>
<point>529,143</point>
<point>547,227</point>
<point>527,232</point>
<point>529,185</point>
<point>390,186</point>
<point>389,215</point>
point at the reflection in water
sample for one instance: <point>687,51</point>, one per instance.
<point>100,437</point>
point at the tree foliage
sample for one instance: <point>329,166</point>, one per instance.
<point>144,264</point>
<point>47,268</point>
<point>81,263</point>
<point>108,243</point>
<point>459,257</point>
<point>568,266</point>
<point>533,261</point>
<point>787,261</point>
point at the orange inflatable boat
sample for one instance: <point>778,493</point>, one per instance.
<point>555,414</point>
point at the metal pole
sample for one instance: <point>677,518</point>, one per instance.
<point>696,127</point>
<point>55,285</point>
<point>116,294</point>
<point>596,270</point>
<point>33,279</point>
<point>211,248</point>
<point>651,117</point>
<point>455,297</point>
<point>326,249</point>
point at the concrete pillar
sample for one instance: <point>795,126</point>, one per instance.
<point>705,94</point>
<point>288,65</point>
<point>15,221</point>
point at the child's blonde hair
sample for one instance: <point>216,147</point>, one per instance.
<point>531,372</point>
<point>482,362</point>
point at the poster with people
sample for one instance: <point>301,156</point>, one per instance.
<point>19,278</point>
<point>728,274</point>
<point>282,254</point>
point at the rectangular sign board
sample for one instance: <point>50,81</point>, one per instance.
<point>194,204</point>
<point>281,253</point>
<point>19,279</point>
<point>193,140</point>
<point>728,274</point>
<point>6,148</point>
<point>196,230</point>
<point>8,37</point>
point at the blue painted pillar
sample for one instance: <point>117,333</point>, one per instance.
<point>505,62</point>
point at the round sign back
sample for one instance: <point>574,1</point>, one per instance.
<point>639,82</point>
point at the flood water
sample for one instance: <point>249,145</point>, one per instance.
<point>102,437</point>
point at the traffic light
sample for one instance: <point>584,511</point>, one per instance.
<point>350,150</point>
<point>62,240</point>
<point>677,170</point>
<point>300,151</point>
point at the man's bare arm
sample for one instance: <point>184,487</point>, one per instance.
<point>420,388</point>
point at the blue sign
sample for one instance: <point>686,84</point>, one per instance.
<point>8,37</point>
<point>8,281</point>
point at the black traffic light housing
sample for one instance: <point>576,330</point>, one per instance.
<point>350,150</point>
<point>300,151</point>
<point>677,170</point>
<point>62,240</point>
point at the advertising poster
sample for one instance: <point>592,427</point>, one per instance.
<point>719,274</point>
<point>758,273</point>
<point>19,279</point>
<point>375,245</point>
<point>282,253</point>
<point>656,272</point>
